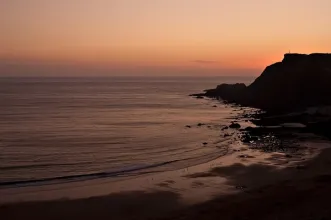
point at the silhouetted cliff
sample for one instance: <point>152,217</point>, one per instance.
<point>298,81</point>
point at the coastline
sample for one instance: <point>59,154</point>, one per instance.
<point>190,193</point>
<point>265,163</point>
<point>248,171</point>
<point>151,177</point>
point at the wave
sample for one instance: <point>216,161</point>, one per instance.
<point>84,176</point>
<point>98,175</point>
<point>16,167</point>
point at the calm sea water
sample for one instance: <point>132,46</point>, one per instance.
<point>67,129</point>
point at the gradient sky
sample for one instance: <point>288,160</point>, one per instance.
<point>157,37</point>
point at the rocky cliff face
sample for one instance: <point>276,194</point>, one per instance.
<point>228,92</point>
<point>299,81</point>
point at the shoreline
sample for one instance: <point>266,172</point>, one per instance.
<point>178,193</point>
<point>211,130</point>
<point>258,163</point>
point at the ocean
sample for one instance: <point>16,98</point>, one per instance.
<point>55,130</point>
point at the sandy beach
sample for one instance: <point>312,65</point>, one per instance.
<point>245,184</point>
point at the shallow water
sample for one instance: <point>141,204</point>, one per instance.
<point>65,129</point>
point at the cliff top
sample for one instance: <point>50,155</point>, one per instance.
<point>297,56</point>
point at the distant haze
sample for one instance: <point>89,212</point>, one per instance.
<point>157,37</point>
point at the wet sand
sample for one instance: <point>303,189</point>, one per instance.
<point>302,192</point>
<point>245,184</point>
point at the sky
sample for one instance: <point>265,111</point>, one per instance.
<point>157,37</point>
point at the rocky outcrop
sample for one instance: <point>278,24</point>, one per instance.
<point>235,125</point>
<point>227,92</point>
<point>299,81</point>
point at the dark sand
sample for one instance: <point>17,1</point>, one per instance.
<point>301,191</point>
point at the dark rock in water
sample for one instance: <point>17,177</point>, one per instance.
<point>299,81</point>
<point>198,94</point>
<point>214,106</point>
<point>235,125</point>
<point>204,143</point>
<point>249,128</point>
<point>226,135</point>
<point>199,97</point>
<point>225,128</point>
<point>188,126</point>
<point>200,124</point>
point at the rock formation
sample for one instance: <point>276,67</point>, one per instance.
<point>298,82</point>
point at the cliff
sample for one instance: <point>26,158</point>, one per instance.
<point>298,81</point>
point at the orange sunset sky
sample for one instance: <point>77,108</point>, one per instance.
<point>157,37</point>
